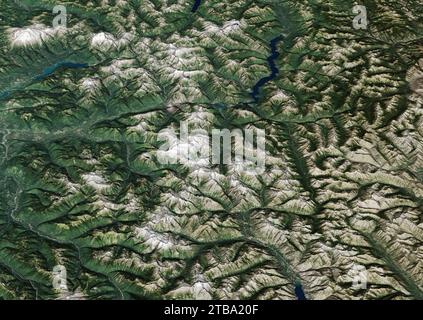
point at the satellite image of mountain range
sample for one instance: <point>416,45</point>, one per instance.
<point>211,150</point>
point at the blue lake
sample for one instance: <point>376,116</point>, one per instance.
<point>196,5</point>
<point>299,292</point>
<point>63,64</point>
<point>44,74</point>
<point>4,95</point>
<point>274,71</point>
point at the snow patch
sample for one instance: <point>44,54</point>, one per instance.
<point>95,180</point>
<point>32,35</point>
